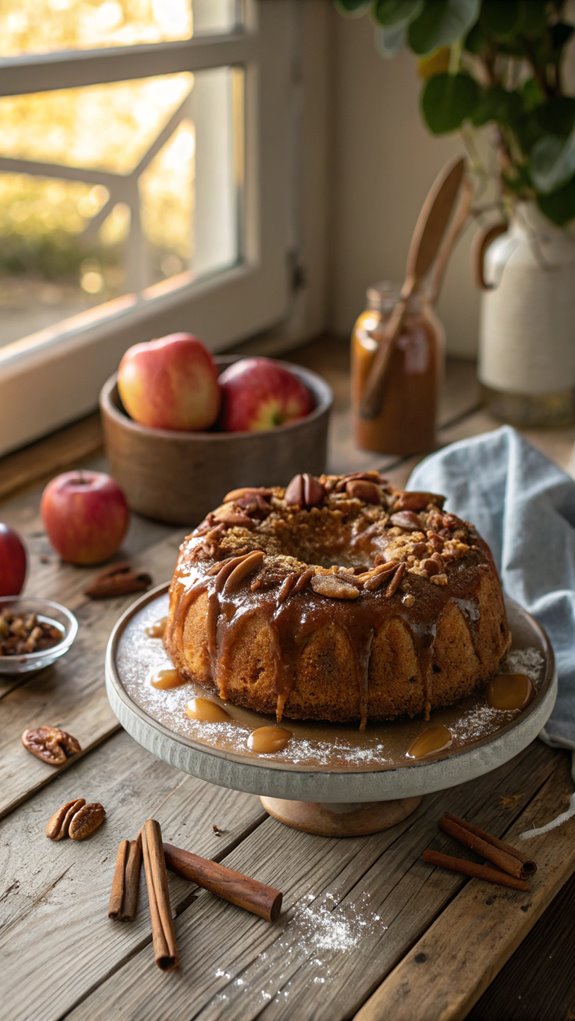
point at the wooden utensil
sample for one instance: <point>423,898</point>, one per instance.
<point>423,251</point>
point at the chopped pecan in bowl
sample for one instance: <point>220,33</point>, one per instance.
<point>34,633</point>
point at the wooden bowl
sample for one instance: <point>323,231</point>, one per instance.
<point>178,477</point>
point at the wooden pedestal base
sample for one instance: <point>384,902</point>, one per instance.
<point>330,819</point>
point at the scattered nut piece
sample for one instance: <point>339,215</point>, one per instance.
<point>86,820</point>
<point>51,744</point>
<point>248,564</point>
<point>304,490</point>
<point>439,579</point>
<point>21,634</point>
<point>408,599</point>
<point>303,580</point>
<point>58,826</point>
<point>364,490</point>
<point>374,579</point>
<point>407,520</point>
<point>333,586</point>
<point>416,501</point>
<point>247,491</point>
<point>396,580</point>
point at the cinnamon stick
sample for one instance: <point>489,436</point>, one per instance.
<point>235,887</point>
<point>529,865</point>
<point>163,936</point>
<point>497,856</point>
<point>118,882</point>
<point>126,882</point>
<point>472,868</point>
<point>132,888</point>
<point>118,580</point>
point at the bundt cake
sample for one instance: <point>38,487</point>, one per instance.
<point>337,598</point>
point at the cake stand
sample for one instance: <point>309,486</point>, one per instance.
<point>330,779</point>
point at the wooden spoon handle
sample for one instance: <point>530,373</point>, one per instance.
<point>459,220</point>
<point>434,217</point>
<point>425,244</point>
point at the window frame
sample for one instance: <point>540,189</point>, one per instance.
<point>54,376</point>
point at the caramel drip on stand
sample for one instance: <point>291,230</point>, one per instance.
<point>157,628</point>
<point>432,739</point>
<point>509,691</point>
<point>266,740</point>
<point>363,661</point>
<point>207,711</point>
<point>168,678</point>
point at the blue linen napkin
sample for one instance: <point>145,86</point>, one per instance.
<point>524,507</point>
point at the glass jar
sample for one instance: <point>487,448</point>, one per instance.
<point>407,420</point>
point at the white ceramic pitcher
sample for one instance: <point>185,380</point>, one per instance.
<point>527,321</point>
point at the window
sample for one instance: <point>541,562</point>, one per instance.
<point>144,187</point>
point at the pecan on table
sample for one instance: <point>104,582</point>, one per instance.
<point>51,744</point>
<point>86,820</point>
<point>58,826</point>
<point>76,819</point>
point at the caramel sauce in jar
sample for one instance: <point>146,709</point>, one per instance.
<point>168,678</point>
<point>509,691</point>
<point>406,423</point>
<point>265,740</point>
<point>207,711</point>
<point>157,628</point>
<point>432,739</point>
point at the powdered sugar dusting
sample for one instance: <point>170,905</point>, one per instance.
<point>309,949</point>
<point>525,661</point>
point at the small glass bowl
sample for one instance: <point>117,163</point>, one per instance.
<point>49,612</point>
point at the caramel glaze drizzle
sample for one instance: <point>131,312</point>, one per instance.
<point>295,620</point>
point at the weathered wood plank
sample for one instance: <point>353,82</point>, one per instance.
<point>352,909</point>
<point>54,896</point>
<point>538,981</point>
<point>71,693</point>
<point>445,972</point>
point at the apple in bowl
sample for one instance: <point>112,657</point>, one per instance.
<point>260,393</point>
<point>170,383</point>
<point>86,516</point>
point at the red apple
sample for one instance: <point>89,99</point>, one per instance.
<point>259,393</point>
<point>13,561</point>
<point>170,383</point>
<point>86,516</point>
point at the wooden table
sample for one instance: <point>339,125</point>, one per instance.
<point>367,930</point>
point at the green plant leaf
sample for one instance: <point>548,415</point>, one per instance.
<point>352,6</point>
<point>532,94</point>
<point>556,116</point>
<point>559,206</point>
<point>496,104</point>
<point>553,117</point>
<point>533,17</point>
<point>390,12</point>
<point>447,100</point>
<point>500,19</point>
<point>552,162</point>
<point>440,23</point>
<point>389,39</point>
<point>475,40</point>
